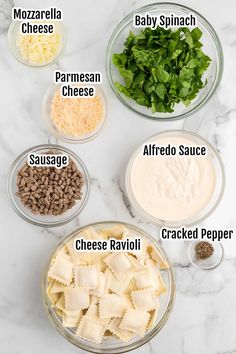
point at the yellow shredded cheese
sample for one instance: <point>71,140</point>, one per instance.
<point>39,49</point>
<point>77,116</point>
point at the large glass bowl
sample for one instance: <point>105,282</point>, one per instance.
<point>211,47</point>
<point>112,345</point>
<point>46,220</point>
<point>218,188</point>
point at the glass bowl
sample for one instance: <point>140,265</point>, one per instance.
<point>12,41</point>
<point>211,46</point>
<point>113,345</point>
<point>219,181</point>
<point>46,220</point>
<point>209,263</point>
<point>58,133</point>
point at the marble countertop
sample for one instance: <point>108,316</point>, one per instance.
<point>204,316</point>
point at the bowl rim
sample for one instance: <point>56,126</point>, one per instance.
<point>219,71</point>
<point>140,342</point>
<point>10,40</point>
<point>173,224</point>
<point>20,159</point>
<point>52,88</point>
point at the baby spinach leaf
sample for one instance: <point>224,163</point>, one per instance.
<point>161,74</point>
<point>122,89</point>
<point>160,90</point>
<point>161,68</point>
<point>119,60</point>
<point>196,34</point>
<point>127,75</point>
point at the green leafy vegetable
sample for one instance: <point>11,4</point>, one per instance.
<point>162,67</point>
<point>127,75</point>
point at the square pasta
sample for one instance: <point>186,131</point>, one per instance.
<point>57,287</point>
<point>131,287</point>
<point>119,286</point>
<point>94,300</point>
<point>96,258</point>
<point>59,312</point>
<point>60,304</point>
<point>137,264</point>
<point>135,321</point>
<point>76,298</point>
<point>93,313</point>
<point>103,284</point>
<point>71,319</point>
<point>141,254</point>
<point>143,279</point>
<point>122,334</point>
<point>120,264</point>
<point>159,285</point>
<point>64,250</point>
<point>90,234</point>
<point>91,330</point>
<point>113,305</point>
<point>145,299</point>
<point>62,269</point>
<point>116,231</point>
<point>53,297</point>
<point>86,276</point>
<point>153,318</point>
<point>158,258</point>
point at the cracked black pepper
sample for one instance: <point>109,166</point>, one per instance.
<point>204,250</point>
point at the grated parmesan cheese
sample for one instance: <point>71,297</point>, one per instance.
<point>77,116</point>
<point>39,49</point>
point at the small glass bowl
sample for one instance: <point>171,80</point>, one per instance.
<point>46,220</point>
<point>12,40</point>
<point>209,263</point>
<point>47,100</point>
<point>219,184</point>
<point>112,345</point>
<point>211,46</point>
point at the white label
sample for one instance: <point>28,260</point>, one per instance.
<point>203,234</point>
<point>33,20</point>
<point>173,150</point>
<point>77,91</point>
<point>94,77</point>
<point>48,160</point>
<point>52,13</point>
<point>165,21</point>
<point>112,245</point>
<point>68,81</point>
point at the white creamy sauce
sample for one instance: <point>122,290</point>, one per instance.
<point>173,188</point>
